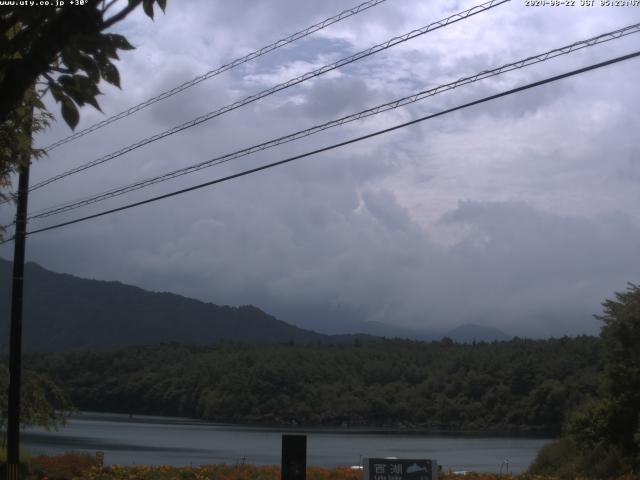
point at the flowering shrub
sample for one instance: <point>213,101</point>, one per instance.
<point>67,466</point>
<point>84,467</point>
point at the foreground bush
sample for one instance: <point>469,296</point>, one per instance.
<point>73,466</point>
<point>67,466</point>
<point>565,459</point>
<point>212,472</point>
<point>557,458</point>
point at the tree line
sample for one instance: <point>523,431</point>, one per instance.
<point>524,385</point>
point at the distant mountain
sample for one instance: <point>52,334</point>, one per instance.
<point>64,312</point>
<point>463,334</point>
<point>391,331</point>
<point>472,332</point>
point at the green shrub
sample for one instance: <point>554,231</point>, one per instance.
<point>67,466</point>
<point>557,458</point>
<point>566,459</point>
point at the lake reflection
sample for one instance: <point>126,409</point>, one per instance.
<point>178,441</point>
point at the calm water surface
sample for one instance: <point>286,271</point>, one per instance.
<point>178,441</point>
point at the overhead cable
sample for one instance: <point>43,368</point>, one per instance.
<point>289,83</point>
<point>337,145</point>
<point>221,69</point>
<point>605,37</point>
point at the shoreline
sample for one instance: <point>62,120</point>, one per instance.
<point>343,429</point>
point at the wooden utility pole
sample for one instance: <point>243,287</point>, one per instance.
<point>13,469</point>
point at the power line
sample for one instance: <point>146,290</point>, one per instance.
<point>289,83</point>
<point>221,69</point>
<point>341,144</point>
<point>605,37</point>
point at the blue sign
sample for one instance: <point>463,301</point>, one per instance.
<point>399,469</point>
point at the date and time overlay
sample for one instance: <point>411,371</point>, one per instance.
<point>526,3</point>
<point>581,3</point>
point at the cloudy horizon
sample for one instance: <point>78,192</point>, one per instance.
<point>516,214</point>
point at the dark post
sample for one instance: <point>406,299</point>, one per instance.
<point>15,345</point>
<point>294,457</point>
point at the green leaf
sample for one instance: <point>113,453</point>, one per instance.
<point>84,84</point>
<point>56,92</point>
<point>94,103</point>
<point>70,112</point>
<point>89,65</point>
<point>147,6</point>
<point>38,104</point>
<point>106,48</point>
<point>70,88</point>
<point>81,89</point>
<point>90,44</point>
<point>70,59</point>
<point>118,41</point>
<point>66,81</point>
<point>110,74</point>
<point>162,4</point>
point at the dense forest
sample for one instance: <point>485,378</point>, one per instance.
<point>523,385</point>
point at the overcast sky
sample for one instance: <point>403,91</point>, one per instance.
<point>519,214</point>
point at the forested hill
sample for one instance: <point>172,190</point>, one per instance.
<point>521,384</point>
<point>66,312</point>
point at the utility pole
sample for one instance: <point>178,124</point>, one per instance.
<point>13,469</point>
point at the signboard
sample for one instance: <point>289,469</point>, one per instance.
<point>294,457</point>
<point>399,469</point>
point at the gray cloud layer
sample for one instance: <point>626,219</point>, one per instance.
<point>520,214</point>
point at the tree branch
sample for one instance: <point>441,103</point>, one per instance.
<point>108,6</point>
<point>121,14</point>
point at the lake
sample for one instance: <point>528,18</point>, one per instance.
<point>180,442</point>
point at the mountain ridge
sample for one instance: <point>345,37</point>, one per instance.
<point>104,314</point>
